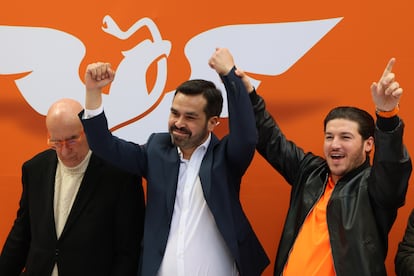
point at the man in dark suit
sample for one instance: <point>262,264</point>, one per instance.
<point>78,215</point>
<point>195,224</point>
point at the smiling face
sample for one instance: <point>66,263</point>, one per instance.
<point>188,124</point>
<point>344,147</point>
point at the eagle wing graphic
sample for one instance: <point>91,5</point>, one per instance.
<point>51,59</point>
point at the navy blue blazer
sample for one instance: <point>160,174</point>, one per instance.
<point>221,172</point>
<point>102,232</point>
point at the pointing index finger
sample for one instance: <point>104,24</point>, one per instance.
<point>388,69</point>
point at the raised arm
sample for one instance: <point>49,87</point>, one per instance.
<point>281,153</point>
<point>97,76</point>
<point>125,155</point>
<point>391,167</point>
<point>242,136</point>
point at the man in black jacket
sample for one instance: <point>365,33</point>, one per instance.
<point>341,208</point>
<point>78,215</point>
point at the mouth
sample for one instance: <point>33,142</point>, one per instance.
<point>180,132</point>
<point>337,156</point>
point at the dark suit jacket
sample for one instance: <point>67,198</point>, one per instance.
<point>102,232</point>
<point>221,172</point>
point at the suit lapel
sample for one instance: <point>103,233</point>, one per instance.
<point>206,167</point>
<point>50,175</point>
<point>170,169</point>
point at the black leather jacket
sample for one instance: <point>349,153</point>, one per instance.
<point>363,205</point>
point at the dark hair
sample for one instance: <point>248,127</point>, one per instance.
<point>208,90</point>
<point>366,124</point>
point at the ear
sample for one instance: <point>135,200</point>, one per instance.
<point>212,123</point>
<point>369,144</point>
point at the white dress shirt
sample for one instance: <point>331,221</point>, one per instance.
<point>195,247</point>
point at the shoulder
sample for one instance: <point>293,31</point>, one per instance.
<point>44,157</point>
<point>159,139</point>
<point>107,169</point>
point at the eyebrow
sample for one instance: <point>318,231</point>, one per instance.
<point>194,114</point>
<point>69,138</point>
<point>340,133</point>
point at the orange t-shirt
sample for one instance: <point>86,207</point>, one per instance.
<point>311,253</point>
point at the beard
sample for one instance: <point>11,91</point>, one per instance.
<point>186,139</point>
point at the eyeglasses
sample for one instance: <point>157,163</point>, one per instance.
<point>70,142</point>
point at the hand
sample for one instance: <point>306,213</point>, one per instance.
<point>221,61</point>
<point>98,75</point>
<point>387,92</point>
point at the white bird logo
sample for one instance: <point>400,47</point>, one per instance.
<point>38,54</point>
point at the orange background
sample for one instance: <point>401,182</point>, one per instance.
<point>336,71</point>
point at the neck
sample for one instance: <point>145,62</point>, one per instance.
<point>187,153</point>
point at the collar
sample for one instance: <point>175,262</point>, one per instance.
<point>202,147</point>
<point>80,168</point>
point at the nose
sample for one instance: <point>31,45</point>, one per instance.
<point>64,149</point>
<point>335,143</point>
<point>179,123</point>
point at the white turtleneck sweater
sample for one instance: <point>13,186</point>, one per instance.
<point>67,183</point>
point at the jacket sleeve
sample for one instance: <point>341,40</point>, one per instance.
<point>120,153</point>
<point>242,136</point>
<point>129,226</point>
<point>404,260</point>
<point>391,168</point>
<point>272,144</point>
<point>15,249</point>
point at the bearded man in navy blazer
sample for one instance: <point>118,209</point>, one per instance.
<point>194,223</point>
<point>78,215</point>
